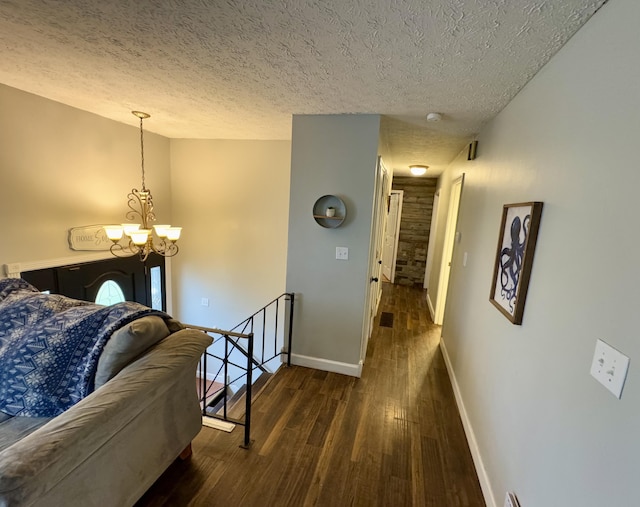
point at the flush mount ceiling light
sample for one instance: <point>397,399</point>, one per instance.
<point>433,117</point>
<point>418,170</point>
<point>139,238</point>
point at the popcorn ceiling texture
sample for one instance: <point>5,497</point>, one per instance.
<point>240,69</point>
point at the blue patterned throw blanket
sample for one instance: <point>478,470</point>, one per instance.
<point>50,345</point>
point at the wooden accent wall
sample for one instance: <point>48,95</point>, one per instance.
<point>415,224</point>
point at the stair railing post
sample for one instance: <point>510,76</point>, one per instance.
<point>203,382</point>
<point>290,338</point>
<point>275,331</point>
<point>264,330</point>
<point>247,420</point>
<point>226,375</point>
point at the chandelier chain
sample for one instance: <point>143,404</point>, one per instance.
<point>142,154</point>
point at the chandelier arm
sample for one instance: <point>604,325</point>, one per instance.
<point>170,249</point>
<point>120,251</point>
<point>148,208</point>
<point>144,253</point>
<point>135,206</point>
<point>173,250</point>
<point>154,248</point>
<point>141,206</point>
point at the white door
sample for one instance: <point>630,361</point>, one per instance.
<point>392,230</point>
<point>374,290</point>
<point>379,225</point>
<point>447,254</point>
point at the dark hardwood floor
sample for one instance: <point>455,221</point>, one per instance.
<point>391,438</point>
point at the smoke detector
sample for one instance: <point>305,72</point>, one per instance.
<point>433,117</point>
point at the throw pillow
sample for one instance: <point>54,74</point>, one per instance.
<point>126,344</point>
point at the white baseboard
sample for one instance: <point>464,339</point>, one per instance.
<point>483,477</point>
<point>430,305</point>
<point>353,370</point>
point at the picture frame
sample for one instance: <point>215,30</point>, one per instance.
<point>514,258</point>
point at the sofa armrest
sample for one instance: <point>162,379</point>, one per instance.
<point>30,468</point>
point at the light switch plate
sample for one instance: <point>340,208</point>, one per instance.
<point>609,367</point>
<point>342,253</point>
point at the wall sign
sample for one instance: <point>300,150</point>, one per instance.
<point>88,238</point>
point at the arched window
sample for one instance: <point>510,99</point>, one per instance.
<point>109,293</point>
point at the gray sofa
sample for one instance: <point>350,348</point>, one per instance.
<point>109,448</point>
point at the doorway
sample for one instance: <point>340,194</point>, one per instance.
<point>391,235</point>
<point>447,253</point>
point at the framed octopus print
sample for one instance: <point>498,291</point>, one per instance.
<point>514,258</point>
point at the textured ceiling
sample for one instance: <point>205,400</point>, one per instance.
<point>240,69</point>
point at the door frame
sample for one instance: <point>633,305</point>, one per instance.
<point>433,232</point>
<point>448,248</point>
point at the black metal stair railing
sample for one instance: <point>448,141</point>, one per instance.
<point>237,359</point>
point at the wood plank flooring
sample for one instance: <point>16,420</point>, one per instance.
<point>391,438</point>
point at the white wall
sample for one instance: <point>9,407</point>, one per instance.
<point>232,198</point>
<point>61,167</point>
<point>331,154</point>
<point>544,427</point>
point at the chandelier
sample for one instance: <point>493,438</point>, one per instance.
<point>138,237</point>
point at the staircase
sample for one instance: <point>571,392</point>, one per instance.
<point>236,401</point>
<point>243,360</point>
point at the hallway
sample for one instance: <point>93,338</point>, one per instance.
<point>391,438</point>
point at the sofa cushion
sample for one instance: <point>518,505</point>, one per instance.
<point>14,429</point>
<point>126,344</point>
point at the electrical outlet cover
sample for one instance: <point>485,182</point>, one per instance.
<point>342,253</point>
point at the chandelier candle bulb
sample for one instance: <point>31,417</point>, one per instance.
<point>114,232</point>
<point>140,237</point>
<point>161,230</point>
<point>130,228</point>
<point>173,233</point>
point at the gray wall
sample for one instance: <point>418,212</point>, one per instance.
<point>332,154</point>
<point>543,426</point>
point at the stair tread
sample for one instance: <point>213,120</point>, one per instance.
<point>236,403</point>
